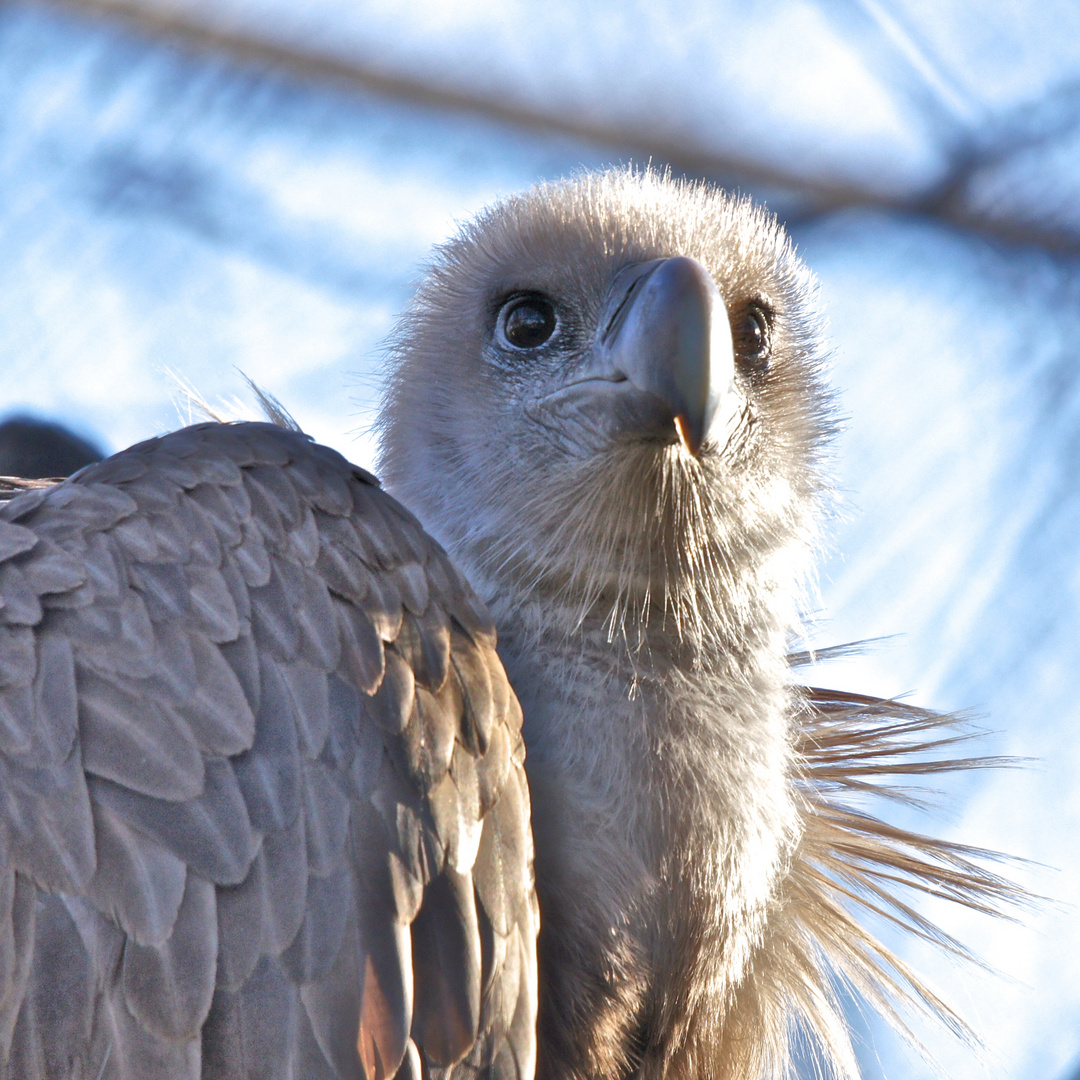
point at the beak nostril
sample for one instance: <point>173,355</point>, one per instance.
<point>614,323</point>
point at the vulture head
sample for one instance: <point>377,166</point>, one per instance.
<point>607,394</point>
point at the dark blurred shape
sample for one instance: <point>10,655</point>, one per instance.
<point>37,448</point>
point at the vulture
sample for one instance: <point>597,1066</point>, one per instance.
<point>277,744</point>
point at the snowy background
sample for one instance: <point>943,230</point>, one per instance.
<point>193,187</point>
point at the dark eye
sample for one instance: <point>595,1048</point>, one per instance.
<point>526,322</point>
<point>753,338</point>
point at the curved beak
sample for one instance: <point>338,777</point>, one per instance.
<point>665,328</point>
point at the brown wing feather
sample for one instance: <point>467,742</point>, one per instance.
<point>253,735</point>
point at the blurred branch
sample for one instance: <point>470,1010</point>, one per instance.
<point>640,145</point>
<point>797,197</point>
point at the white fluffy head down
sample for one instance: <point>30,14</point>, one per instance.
<point>627,533</point>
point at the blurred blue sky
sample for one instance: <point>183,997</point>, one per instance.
<point>192,187</point>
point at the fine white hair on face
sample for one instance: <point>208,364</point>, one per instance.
<point>697,859</point>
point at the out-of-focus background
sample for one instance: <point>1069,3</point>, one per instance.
<point>192,187</point>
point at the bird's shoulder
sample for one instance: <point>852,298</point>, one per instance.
<point>262,797</point>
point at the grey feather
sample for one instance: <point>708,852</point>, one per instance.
<point>310,696</point>
<point>113,638</point>
<point>266,515</point>
<point>127,1049</point>
<point>77,509</point>
<point>378,539</point>
<point>194,466</point>
<point>212,603</point>
<point>269,773</point>
<point>473,672</point>
<point>239,914</point>
<point>332,1004</point>
<point>54,1025</point>
<point>492,767</point>
<point>362,660</point>
<point>169,987</point>
<point>408,832</point>
<point>252,557</point>
<point>339,562</point>
<point>320,642</point>
<point>139,541</point>
<point>104,570</point>
<point>22,606</point>
<point>156,492</point>
<point>15,539</point>
<point>424,642</point>
<point>264,913</point>
<point>393,703</point>
<point>446,966</point>
<point>120,469</point>
<point>52,570</point>
<point>102,939</point>
<point>211,833</point>
<point>273,618</point>
<point>24,503</point>
<point>412,583</point>
<point>319,939</point>
<point>18,911</point>
<point>382,604</point>
<point>163,588</point>
<point>285,897</point>
<point>312,1063</point>
<point>326,820</point>
<point>254,1032</point>
<point>454,813</point>
<point>9,954</point>
<point>242,656</point>
<point>127,737</point>
<point>276,491</point>
<point>172,546</point>
<point>198,531</point>
<point>55,717</point>
<point>429,737</point>
<point>322,484</point>
<point>305,542</point>
<point>501,860</point>
<point>222,509</point>
<point>391,890</point>
<point>16,705</point>
<point>138,884</point>
<point>238,590</point>
<point>198,682</point>
<point>50,832</point>
<point>17,655</point>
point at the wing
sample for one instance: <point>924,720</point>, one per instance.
<point>263,810</point>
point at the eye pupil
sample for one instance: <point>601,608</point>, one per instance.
<point>529,322</point>
<point>753,340</point>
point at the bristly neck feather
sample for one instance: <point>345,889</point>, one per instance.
<point>656,557</point>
